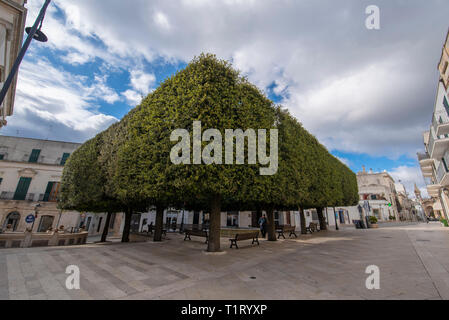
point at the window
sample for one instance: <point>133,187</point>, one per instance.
<point>1,180</point>
<point>446,105</point>
<point>22,189</point>
<point>45,223</point>
<point>445,165</point>
<point>64,158</point>
<point>52,191</point>
<point>34,155</point>
<point>2,156</point>
<point>13,220</point>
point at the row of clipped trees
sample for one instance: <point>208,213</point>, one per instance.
<point>127,168</point>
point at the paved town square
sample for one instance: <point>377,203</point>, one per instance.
<point>413,261</point>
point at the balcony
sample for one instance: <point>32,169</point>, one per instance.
<point>10,196</point>
<point>441,125</point>
<point>442,172</point>
<point>426,164</point>
<point>438,146</point>
<point>433,190</point>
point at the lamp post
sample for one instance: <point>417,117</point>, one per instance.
<point>33,33</point>
<point>35,215</point>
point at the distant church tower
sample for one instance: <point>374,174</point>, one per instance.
<point>418,193</point>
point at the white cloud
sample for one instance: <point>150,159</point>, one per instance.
<point>345,161</point>
<point>142,82</point>
<point>408,177</point>
<point>48,97</point>
<point>161,21</point>
<point>132,97</point>
<point>356,90</point>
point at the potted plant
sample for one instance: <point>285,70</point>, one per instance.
<point>444,223</point>
<point>373,222</point>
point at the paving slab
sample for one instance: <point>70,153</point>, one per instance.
<point>413,262</point>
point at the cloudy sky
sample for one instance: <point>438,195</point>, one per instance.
<point>366,94</point>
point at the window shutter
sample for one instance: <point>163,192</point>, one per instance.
<point>64,158</point>
<point>48,191</point>
<point>22,189</point>
<point>34,155</point>
<point>446,105</point>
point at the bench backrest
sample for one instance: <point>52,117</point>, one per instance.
<point>198,233</point>
<point>285,227</point>
<point>246,235</point>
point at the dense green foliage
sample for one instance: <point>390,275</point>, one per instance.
<point>129,166</point>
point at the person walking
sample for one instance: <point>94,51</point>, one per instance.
<point>263,225</point>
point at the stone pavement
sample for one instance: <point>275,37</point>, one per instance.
<point>413,262</point>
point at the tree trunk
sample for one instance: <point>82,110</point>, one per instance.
<point>213,244</point>
<point>106,227</point>
<point>336,223</point>
<point>321,218</point>
<point>271,228</point>
<point>159,224</point>
<point>127,227</point>
<point>302,218</point>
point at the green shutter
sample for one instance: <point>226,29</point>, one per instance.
<point>446,105</point>
<point>48,191</point>
<point>22,189</point>
<point>65,156</point>
<point>34,155</point>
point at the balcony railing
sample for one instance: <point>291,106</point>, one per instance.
<point>29,196</point>
<point>423,156</point>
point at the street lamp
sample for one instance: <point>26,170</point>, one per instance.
<point>33,33</point>
<point>35,215</point>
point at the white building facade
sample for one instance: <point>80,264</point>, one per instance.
<point>378,195</point>
<point>30,175</point>
<point>435,161</point>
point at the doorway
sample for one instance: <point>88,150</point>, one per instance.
<point>196,217</point>
<point>232,219</point>
<point>255,216</point>
<point>89,220</point>
<point>99,224</point>
<point>135,222</point>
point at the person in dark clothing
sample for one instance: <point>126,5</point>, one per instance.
<point>263,225</point>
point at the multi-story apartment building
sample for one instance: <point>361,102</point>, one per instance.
<point>30,175</point>
<point>12,24</point>
<point>435,161</point>
<point>443,66</point>
<point>378,190</point>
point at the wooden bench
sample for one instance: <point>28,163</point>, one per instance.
<point>196,233</point>
<point>313,227</point>
<point>245,236</point>
<point>286,228</point>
